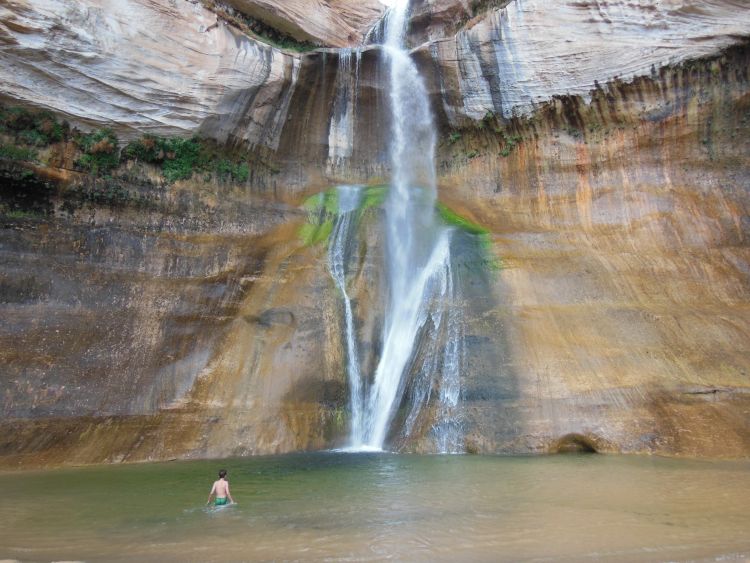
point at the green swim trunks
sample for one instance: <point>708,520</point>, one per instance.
<point>220,501</point>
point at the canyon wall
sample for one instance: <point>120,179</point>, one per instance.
<point>622,224</point>
<point>608,158</point>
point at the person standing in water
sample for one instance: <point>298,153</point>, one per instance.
<point>221,490</point>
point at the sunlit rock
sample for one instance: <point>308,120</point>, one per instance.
<point>594,152</point>
<point>511,59</point>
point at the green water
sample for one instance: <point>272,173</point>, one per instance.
<point>377,506</point>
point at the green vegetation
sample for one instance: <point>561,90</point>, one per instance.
<point>483,234</point>
<point>323,207</point>
<point>228,170</point>
<point>321,213</point>
<point>454,137</point>
<point>312,234</point>
<point>20,214</point>
<point>490,123</point>
<point>509,143</point>
<point>324,202</point>
<point>453,218</point>
<point>23,132</point>
<point>37,129</point>
<point>180,158</point>
<point>374,196</point>
<point>488,120</point>
<point>17,153</point>
<point>100,152</point>
<point>148,148</point>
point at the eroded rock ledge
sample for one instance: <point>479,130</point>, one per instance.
<point>331,23</point>
<point>618,206</point>
<point>182,73</point>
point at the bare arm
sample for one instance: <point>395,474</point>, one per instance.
<point>229,495</point>
<point>213,490</point>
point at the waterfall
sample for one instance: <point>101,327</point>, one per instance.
<point>421,335</point>
<point>339,251</point>
<point>417,246</point>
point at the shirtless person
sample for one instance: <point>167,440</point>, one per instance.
<point>221,490</point>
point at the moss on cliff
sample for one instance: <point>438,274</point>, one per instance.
<point>12,152</point>
<point>469,227</point>
<point>321,213</point>
<point>456,220</point>
<point>374,196</point>
<point>323,207</point>
<point>180,158</point>
<point>26,135</point>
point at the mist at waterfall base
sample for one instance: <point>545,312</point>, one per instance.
<point>343,507</point>
<point>419,306</point>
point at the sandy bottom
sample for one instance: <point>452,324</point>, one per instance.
<point>375,506</point>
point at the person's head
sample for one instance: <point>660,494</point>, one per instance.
<point>222,473</point>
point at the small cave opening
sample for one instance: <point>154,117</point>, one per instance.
<point>574,444</point>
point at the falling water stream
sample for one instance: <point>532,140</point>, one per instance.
<point>420,280</point>
<point>339,249</point>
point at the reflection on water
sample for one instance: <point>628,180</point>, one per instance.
<point>373,506</point>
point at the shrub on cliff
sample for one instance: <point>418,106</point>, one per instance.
<point>38,129</point>
<point>180,158</point>
<point>12,152</point>
<point>228,170</point>
<point>100,152</point>
<point>146,149</point>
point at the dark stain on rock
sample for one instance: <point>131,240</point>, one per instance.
<point>271,317</point>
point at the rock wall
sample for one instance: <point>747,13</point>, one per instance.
<point>609,165</point>
<point>140,65</point>
<point>511,59</point>
<point>186,329</point>
<point>174,69</point>
<point>102,66</point>
<point>622,307</point>
<point>333,23</point>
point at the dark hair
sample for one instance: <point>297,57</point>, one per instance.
<point>222,473</point>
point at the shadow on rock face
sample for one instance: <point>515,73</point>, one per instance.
<point>272,317</point>
<point>575,444</point>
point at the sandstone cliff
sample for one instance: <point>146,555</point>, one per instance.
<point>603,145</point>
<point>333,23</point>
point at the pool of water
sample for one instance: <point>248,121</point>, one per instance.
<point>339,506</point>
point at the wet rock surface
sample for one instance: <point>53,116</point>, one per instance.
<point>622,226</point>
<point>618,209</point>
